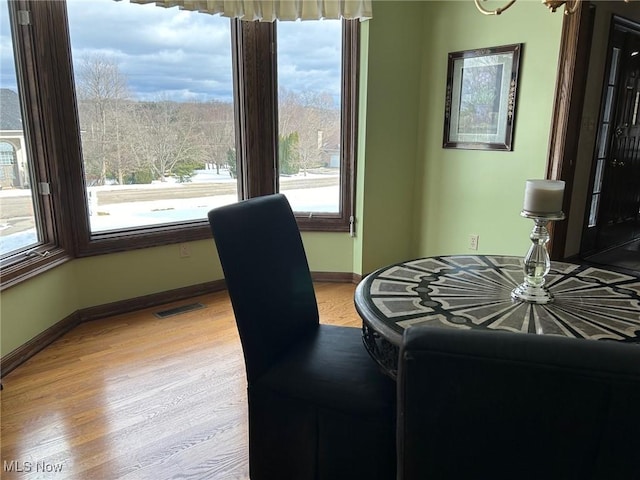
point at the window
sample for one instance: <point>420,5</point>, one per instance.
<point>136,128</point>
<point>309,104</point>
<point>261,141</point>
<point>18,229</point>
<point>154,90</point>
<point>29,241</point>
<point>317,106</point>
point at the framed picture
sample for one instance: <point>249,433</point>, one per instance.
<point>480,105</point>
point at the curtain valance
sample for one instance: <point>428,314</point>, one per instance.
<point>270,10</point>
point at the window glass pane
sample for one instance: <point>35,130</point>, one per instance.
<point>597,181</point>
<point>18,226</point>
<point>608,104</point>
<point>615,59</point>
<point>603,140</point>
<point>155,101</point>
<point>309,103</point>
<point>593,211</point>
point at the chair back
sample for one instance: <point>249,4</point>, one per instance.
<point>267,277</point>
<point>502,405</point>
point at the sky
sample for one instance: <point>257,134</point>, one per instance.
<point>185,56</point>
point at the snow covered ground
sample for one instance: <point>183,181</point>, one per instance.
<point>146,213</point>
<point>125,215</point>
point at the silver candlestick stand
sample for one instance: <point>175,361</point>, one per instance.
<point>537,263</point>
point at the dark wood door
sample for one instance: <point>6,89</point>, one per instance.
<point>621,182</point>
<point>614,214</point>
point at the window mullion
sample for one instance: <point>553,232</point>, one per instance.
<point>350,83</point>
<point>257,111</point>
<point>59,128</point>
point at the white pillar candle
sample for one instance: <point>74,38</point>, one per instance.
<point>543,196</point>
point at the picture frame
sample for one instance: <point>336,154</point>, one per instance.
<point>481,95</point>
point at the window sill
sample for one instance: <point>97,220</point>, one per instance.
<point>112,242</point>
<point>18,272</point>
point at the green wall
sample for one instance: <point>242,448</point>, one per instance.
<point>387,163</point>
<point>160,269</point>
<point>33,306</point>
<point>465,192</point>
<point>413,197</point>
<point>148,270</point>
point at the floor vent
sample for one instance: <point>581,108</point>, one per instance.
<point>178,310</point>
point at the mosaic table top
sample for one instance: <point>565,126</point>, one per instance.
<point>474,291</point>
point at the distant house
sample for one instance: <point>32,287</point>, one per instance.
<point>14,172</point>
<point>329,146</point>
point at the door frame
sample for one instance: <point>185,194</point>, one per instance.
<point>573,63</point>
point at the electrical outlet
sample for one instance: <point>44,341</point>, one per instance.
<point>185,250</point>
<point>473,241</point>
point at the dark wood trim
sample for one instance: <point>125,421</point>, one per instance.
<point>23,353</point>
<point>350,134</point>
<point>237,71</point>
<point>151,300</point>
<point>145,237</point>
<point>335,277</point>
<point>61,131</point>
<point>573,64</point>
<point>317,222</point>
<point>257,107</point>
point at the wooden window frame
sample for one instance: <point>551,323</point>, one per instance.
<point>36,75</point>
<point>53,133</point>
<point>343,220</point>
<point>257,114</point>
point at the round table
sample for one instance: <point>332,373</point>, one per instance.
<point>474,291</point>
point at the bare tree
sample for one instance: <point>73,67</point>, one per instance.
<point>217,132</point>
<point>315,119</point>
<point>166,134</point>
<point>103,100</point>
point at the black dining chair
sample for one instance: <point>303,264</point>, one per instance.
<point>319,408</point>
<point>502,405</point>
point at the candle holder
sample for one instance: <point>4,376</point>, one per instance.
<point>536,263</point>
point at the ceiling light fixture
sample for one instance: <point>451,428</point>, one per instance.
<point>569,6</point>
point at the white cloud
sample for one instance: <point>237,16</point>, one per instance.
<point>187,55</point>
<point>161,52</point>
<point>309,56</point>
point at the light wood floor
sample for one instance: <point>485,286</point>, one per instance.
<point>137,397</point>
